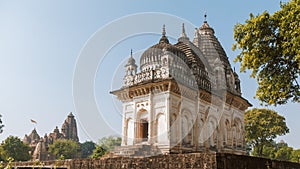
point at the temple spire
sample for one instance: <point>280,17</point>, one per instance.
<point>164,30</point>
<point>183,37</point>
<point>183,34</point>
<point>205,17</point>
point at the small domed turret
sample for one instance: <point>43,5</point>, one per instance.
<point>151,58</point>
<point>131,67</point>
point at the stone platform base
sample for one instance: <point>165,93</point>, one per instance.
<point>136,151</point>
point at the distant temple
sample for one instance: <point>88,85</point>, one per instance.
<point>40,145</point>
<point>185,98</point>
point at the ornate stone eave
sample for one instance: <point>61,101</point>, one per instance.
<point>237,101</point>
<point>155,86</point>
<point>172,86</point>
<point>127,93</point>
<point>205,95</point>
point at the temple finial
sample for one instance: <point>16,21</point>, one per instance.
<point>131,53</point>
<point>205,17</point>
<point>164,30</point>
<point>183,34</point>
<point>164,38</point>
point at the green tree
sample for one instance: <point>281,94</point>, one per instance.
<point>2,158</point>
<point>269,46</point>
<point>278,151</point>
<point>13,147</point>
<point>269,150</point>
<point>284,153</point>
<point>262,127</point>
<point>295,157</point>
<point>105,145</point>
<point>87,149</point>
<point>109,143</point>
<point>1,124</point>
<point>98,152</point>
<point>65,149</point>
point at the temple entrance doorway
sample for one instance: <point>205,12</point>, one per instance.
<point>143,130</point>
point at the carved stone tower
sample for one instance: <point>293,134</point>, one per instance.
<point>69,128</point>
<point>40,145</point>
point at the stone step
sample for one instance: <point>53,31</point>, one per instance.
<point>136,151</point>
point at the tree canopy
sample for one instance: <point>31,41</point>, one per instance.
<point>262,127</point>
<point>279,151</point>
<point>295,157</point>
<point>12,147</point>
<point>65,149</point>
<point>284,153</point>
<point>1,124</point>
<point>87,149</point>
<point>98,152</point>
<point>108,143</point>
<point>269,46</point>
<point>105,145</point>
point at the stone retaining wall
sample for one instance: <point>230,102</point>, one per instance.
<point>171,161</point>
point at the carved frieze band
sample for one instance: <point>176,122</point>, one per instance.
<point>182,91</point>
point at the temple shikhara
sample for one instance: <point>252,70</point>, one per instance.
<point>185,97</point>
<point>40,145</point>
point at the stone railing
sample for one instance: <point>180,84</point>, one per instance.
<point>145,76</point>
<point>163,73</point>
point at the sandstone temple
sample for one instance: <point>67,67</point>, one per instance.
<point>39,145</point>
<point>185,97</point>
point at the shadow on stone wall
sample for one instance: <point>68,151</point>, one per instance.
<point>231,161</point>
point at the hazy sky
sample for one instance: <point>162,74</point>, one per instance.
<point>40,42</point>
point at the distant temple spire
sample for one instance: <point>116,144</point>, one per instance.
<point>39,145</point>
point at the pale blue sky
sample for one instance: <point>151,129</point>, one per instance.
<point>41,40</point>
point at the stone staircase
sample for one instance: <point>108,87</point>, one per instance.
<point>136,151</point>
